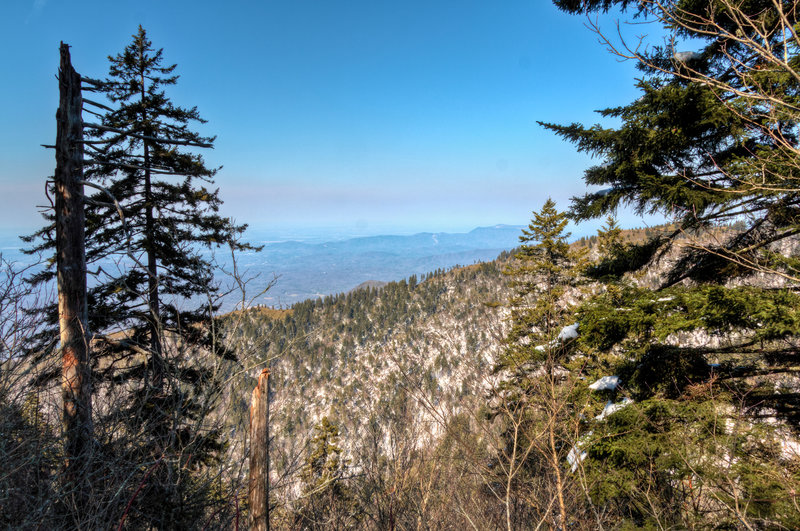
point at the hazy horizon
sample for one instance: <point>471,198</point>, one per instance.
<point>370,117</point>
<point>10,236</point>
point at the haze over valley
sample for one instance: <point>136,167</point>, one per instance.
<point>314,263</point>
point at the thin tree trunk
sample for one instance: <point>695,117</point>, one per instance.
<point>153,300</point>
<point>554,461</point>
<point>71,269</point>
<point>559,482</point>
<point>510,478</point>
<point>258,493</point>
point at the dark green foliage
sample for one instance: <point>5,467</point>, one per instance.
<point>169,212</point>
<point>327,502</point>
<point>694,427</point>
<point>580,6</point>
<point>163,189</point>
<point>698,145</point>
<point>536,403</point>
<point>655,462</point>
<point>619,257</point>
<point>710,143</point>
<point>545,266</point>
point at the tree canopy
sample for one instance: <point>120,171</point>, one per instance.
<point>713,137</point>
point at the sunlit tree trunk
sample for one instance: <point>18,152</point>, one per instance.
<point>71,269</point>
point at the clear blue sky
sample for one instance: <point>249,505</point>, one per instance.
<point>376,115</point>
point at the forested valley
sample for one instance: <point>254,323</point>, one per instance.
<point>635,379</point>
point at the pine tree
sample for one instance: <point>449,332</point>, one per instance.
<point>328,502</point>
<point>170,213</point>
<point>609,238</point>
<point>544,269</point>
<point>712,140</point>
<point>168,208</point>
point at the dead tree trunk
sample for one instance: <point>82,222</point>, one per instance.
<point>71,269</point>
<point>258,493</point>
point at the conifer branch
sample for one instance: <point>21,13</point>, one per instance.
<point>145,137</point>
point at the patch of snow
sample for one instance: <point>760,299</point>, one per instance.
<point>612,408</point>
<point>606,383</point>
<point>568,332</point>
<point>576,455</point>
<point>665,299</point>
<point>790,449</point>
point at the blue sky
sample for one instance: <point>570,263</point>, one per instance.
<point>371,115</point>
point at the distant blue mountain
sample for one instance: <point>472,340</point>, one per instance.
<point>310,270</point>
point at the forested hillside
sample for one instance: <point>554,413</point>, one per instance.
<point>391,367</point>
<point>642,379</point>
<point>418,380</point>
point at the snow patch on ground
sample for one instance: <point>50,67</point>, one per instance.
<point>612,408</point>
<point>568,332</point>
<point>576,454</point>
<point>606,383</point>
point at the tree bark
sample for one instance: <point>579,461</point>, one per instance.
<point>258,494</point>
<point>71,271</point>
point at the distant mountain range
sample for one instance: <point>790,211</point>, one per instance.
<point>310,270</point>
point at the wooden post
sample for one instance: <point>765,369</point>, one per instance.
<point>71,269</point>
<point>258,494</point>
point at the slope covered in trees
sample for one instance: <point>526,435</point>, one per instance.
<point>651,384</point>
<point>434,394</point>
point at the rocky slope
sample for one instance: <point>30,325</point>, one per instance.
<point>418,352</point>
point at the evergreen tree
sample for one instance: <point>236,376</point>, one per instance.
<point>609,238</point>
<point>167,205</point>
<point>536,400</point>
<point>150,231</point>
<point>328,503</point>
<point>169,210</point>
<point>545,267</point>
<point>711,140</point>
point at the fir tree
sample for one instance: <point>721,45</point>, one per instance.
<point>536,400</point>
<point>545,267</point>
<point>609,238</point>
<point>168,207</point>
<point>170,212</point>
<point>150,231</point>
<point>328,502</point>
<point>711,140</point>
